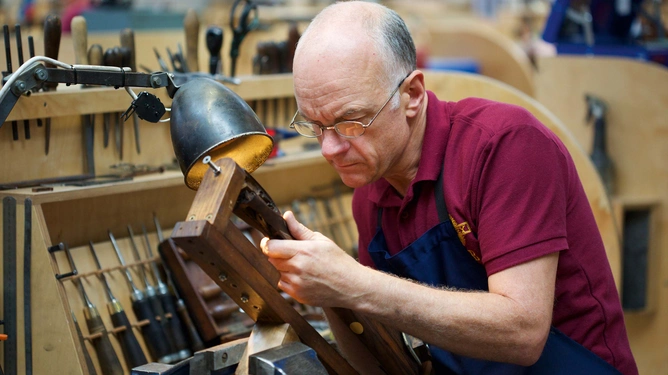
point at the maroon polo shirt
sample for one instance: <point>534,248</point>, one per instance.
<point>513,193</point>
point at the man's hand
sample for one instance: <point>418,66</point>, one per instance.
<point>314,270</point>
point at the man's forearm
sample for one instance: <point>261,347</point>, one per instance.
<point>475,324</point>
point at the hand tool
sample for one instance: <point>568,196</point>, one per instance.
<point>134,356</point>
<point>291,46</point>
<point>106,356</point>
<point>174,327</point>
<point>114,57</point>
<point>177,60</point>
<point>80,42</point>
<point>8,56</point>
<point>19,52</point>
<point>596,109</point>
<point>52,33</point>
<point>191,29</point>
<point>96,57</point>
<point>128,41</point>
<point>161,62</point>
<point>214,42</point>
<point>194,338</point>
<point>9,307</point>
<point>27,256</point>
<point>82,343</point>
<point>154,336</point>
<point>31,50</point>
<point>149,291</point>
<point>240,28</point>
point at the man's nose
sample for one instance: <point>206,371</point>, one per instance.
<point>331,143</point>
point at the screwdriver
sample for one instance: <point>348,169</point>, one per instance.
<point>134,356</point>
<point>149,289</point>
<point>155,337</point>
<point>109,363</point>
<point>174,327</point>
<point>195,340</point>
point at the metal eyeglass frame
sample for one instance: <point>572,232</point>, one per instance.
<point>313,125</point>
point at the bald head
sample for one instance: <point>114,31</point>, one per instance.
<point>353,35</point>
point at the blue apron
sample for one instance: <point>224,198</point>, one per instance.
<point>439,258</point>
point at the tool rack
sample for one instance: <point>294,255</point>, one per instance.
<point>76,215</point>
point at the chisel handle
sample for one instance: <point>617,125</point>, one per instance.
<point>128,41</point>
<point>52,32</point>
<point>106,356</point>
<point>194,338</point>
<point>214,42</point>
<point>191,28</point>
<point>132,351</point>
<point>80,40</point>
<point>95,55</point>
<point>173,325</point>
<point>154,336</point>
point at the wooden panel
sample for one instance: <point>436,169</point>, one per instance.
<point>637,134</point>
<point>499,56</point>
<point>53,335</point>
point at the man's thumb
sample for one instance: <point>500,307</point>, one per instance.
<point>297,229</point>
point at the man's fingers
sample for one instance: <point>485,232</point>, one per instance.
<point>277,249</point>
<point>298,230</point>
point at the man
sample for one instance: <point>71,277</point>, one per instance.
<point>475,234</point>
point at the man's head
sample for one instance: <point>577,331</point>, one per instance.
<point>350,58</point>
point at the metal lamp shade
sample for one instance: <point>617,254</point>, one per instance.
<point>208,119</point>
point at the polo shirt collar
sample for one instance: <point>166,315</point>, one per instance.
<point>436,135</point>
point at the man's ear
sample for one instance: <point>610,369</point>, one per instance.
<point>414,86</point>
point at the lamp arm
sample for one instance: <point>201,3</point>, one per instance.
<point>33,74</point>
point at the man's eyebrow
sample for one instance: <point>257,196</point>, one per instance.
<point>338,119</point>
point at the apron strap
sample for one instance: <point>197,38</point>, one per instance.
<point>441,207</point>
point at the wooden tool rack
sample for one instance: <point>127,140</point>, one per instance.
<point>77,215</point>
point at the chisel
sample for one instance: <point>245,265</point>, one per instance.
<point>134,356</point>
<point>8,56</point>
<point>19,53</point>
<point>31,50</point>
<point>95,58</point>
<point>52,33</point>
<point>154,336</point>
<point>82,342</point>
<point>194,338</point>
<point>128,41</point>
<point>174,327</point>
<point>106,356</point>
<point>149,290</point>
<point>80,41</point>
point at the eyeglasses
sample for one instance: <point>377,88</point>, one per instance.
<point>346,129</point>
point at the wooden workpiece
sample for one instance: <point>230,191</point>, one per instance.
<point>636,94</point>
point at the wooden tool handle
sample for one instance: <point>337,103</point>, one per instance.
<point>52,32</point>
<point>80,40</point>
<point>191,27</point>
<point>95,54</point>
<point>128,41</point>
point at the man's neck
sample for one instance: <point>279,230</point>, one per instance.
<point>407,166</point>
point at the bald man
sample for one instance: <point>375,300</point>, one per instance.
<point>475,234</point>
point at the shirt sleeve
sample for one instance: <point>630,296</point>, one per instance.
<point>522,198</point>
